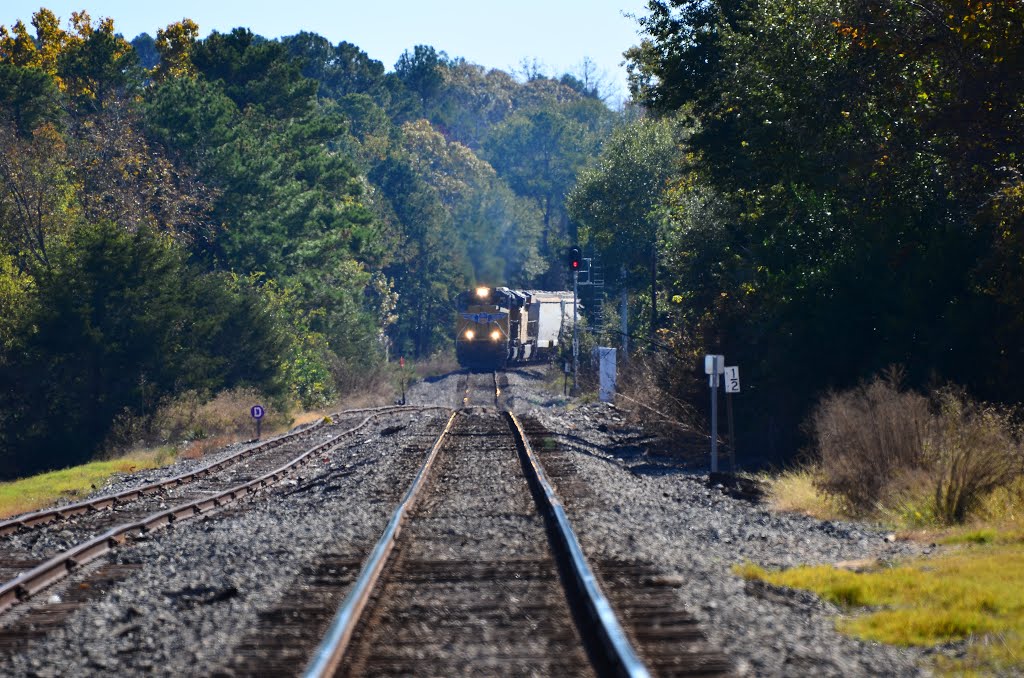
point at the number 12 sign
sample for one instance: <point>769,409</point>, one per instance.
<point>732,379</point>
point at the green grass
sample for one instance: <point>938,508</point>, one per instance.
<point>45,489</point>
<point>972,593</point>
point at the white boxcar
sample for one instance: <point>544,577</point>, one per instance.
<point>550,317</point>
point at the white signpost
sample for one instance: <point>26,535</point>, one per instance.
<point>732,380</point>
<point>732,385</point>
<point>606,362</point>
<point>714,365</point>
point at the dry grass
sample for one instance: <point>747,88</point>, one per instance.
<point>310,417</point>
<point>197,449</point>
<point>192,417</point>
<point>797,491</point>
<point>436,365</point>
<point>360,386</point>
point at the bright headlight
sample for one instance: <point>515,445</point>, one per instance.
<point>495,335</point>
<point>470,334</point>
<point>482,292</point>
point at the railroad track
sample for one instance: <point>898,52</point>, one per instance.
<point>477,572</point>
<point>480,389</point>
<point>664,632</point>
<point>36,519</point>
<point>50,545</point>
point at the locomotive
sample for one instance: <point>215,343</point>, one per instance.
<point>499,326</point>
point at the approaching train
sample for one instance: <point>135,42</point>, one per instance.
<point>498,326</point>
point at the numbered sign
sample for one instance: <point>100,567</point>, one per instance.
<point>732,379</point>
<point>257,412</point>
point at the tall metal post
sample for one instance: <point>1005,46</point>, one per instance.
<point>575,332</point>
<point>714,416</point>
<point>624,313</point>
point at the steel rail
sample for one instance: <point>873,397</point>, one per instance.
<point>59,566</point>
<point>45,516</point>
<point>332,648</point>
<point>600,617</point>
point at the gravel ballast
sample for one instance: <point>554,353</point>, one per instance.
<point>159,622</point>
<point>638,506</point>
<point>626,503</point>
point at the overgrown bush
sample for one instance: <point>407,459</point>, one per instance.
<point>974,450</point>
<point>364,385</point>
<point>646,383</point>
<point>870,439</point>
<point>884,450</point>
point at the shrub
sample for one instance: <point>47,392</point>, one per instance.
<point>973,450</point>
<point>364,385</point>
<point>869,439</point>
<point>893,452</point>
<point>191,417</point>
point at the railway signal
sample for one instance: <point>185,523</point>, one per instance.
<point>575,259</point>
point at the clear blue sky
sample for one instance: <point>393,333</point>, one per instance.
<point>557,33</point>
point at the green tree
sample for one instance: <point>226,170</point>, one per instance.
<point>681,56</point>
<point>255,72</point>
<point>539,154</point>
<point>430,268</point>
<point>29,96</point>
<point>174,46</point>
<point>500,230</point>
<point>117,327</point>
<point>38,206</point>
<point>851,185</point>
<point>422,72</point>
<point>620,202</point>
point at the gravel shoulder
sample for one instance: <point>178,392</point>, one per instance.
<point>629,503</point>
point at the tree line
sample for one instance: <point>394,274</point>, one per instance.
<point>821,188</point>
<point>190,215</point>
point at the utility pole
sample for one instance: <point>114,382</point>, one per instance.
<point>624,315</point>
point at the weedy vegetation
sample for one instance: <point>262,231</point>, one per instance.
<point>940,467</point>
<point>39,491</point>
<point>971,595</point>
<point>907,459</point>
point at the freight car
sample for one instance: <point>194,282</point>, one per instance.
<point>499,326</point>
